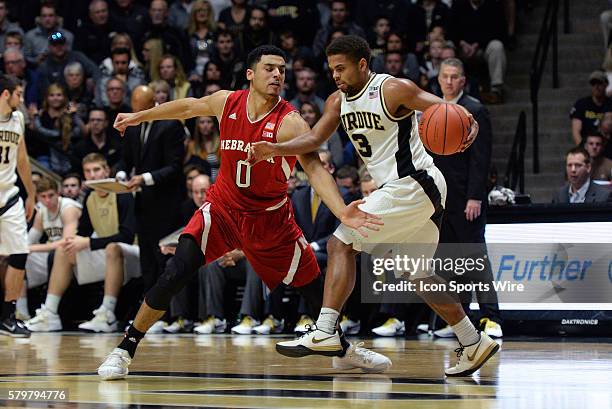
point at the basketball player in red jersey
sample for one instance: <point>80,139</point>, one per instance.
<point>248,206</point>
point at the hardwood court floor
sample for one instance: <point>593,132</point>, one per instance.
<point>245,371</point>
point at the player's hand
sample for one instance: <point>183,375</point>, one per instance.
<point>29,207</point>
<point>135,182</point>
<point>261,151</point>
<point>124,120</point>
<point>167,250</point>
<point>226,260</point>
<point>472,210</point>
<point>72,245</point>
<point>357,219</point>
<point>474,128</point>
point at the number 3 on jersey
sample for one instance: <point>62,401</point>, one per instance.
<point>243,173</point>
<point>365,150</point>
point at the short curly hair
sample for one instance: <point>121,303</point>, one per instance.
<point>352,46</point>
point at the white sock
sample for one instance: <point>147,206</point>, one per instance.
<point>328,317</point>
<point>466,332</point>
<point>22,305</point>
<point>109,302</point>
<point>52,302</point>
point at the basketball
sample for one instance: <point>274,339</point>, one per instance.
<point>444,128</point>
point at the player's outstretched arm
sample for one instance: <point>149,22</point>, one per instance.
<point>309,141</point>
<point>211,105</point>
<point>323,182</point>
<point>402,96</point>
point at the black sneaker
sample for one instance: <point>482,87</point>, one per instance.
<point>14,328</point>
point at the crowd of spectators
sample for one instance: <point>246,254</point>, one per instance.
<point>81,62</point>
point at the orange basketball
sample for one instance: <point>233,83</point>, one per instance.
<point>444,128</point>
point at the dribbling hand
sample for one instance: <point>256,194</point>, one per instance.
<point>124,120</point>
<point>474,127</point>
<point>357,219</point>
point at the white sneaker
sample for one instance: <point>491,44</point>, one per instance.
<point>391,328</point>
<point>472,357</point>
<point>44,321</point>
<point>491,328</point>
<point>313,342</point>
<point>246,326</point>
<point>179,326</point>
<point>116,365</point>
<point>103,321</point>
<point>358,357</point>
<point>422,328</point>
<point>303,323</point>
<point>158,327</point>
<point>446,332</point>
<point>211,326</point>
<point>270,326</point>
<point>350,327</point>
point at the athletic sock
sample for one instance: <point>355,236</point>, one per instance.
<point>52,302</point>
<point>8,308</point>
<point>131,339</point>
<point>328,317</point>
<point>22,306</point>
<point>466,332</point>
<point>109,302</point>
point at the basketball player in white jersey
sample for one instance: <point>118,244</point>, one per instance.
<point>378,113</point>
<point>58,218</point>
<point>13,214</point>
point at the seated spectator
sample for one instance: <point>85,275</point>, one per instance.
<point>174,41</point>
<point>212,73</point>
<point>437,13</point>
<point>162,91</point>
<point>57,217</point>
<point>93,38</point>
<point>305,84</point>
<point>191,172</point>
<point>311,114</point>
<point>203,145</point>
<point>588,111</point>
<point>98,141</point>
<point>152,52</point>
<point>130,17</point>
<point>233,267</point>
<point>171,70</point>
<point>15,64</point>
<point>431,63</point>
<point>298,15</point>
<point>234,18</point>
<point>229,62</point>
<point>288,43</point>
<point>6,26</point>
<point>76,90</point>
<point>256,32</point>
<point>13,39</point>
<point>36,40</point>
<point>347,180</point>
<point>58,126</point>
<point>71,186</point>
<point>378,36</point>
<point>600,165</point>
<point>211,88</point>
<point>102,249</point>
<point>115,93</point>
<point>201,30</point>
<point>605,129</point>
<point>52,69</point>
<point>339,18</point>
<point>478,28</point>
<point>580,188</point>
<point>132,77</point>
<point>409,61</point>
<point>471,86</point>
<point>179,12</point>
<point>121,40</point>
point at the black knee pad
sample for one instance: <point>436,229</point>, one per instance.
<point>179,269</point>
<point>18,261</point>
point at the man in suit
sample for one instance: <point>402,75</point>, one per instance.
<point>580,188</point>
<point>466,201</point>
<point>154,152</point>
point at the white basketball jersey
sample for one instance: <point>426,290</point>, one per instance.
<point>52,223</point>
<point>11,132</point>
<point>389,146</point>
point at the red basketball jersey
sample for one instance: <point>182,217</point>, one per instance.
<point>239,185</point>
